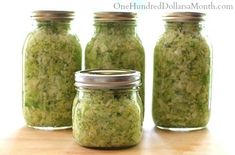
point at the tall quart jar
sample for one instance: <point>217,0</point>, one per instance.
<point>182,74</point>
<point>107,110</point>
<point>115,44</point>
<point>51,55</point>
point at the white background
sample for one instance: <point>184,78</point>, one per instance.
<point>16,23</point>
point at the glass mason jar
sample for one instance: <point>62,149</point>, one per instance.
<point>51,55</point>
<point>115,44</point>
<point>107,110</point>
<point>182,74</point>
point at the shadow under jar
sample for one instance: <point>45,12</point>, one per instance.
<point>107,110</point>
<point>182,74</point>
<point>116,44</point>
<point>51,56</point>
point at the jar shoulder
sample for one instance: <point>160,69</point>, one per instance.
<point>173,41</point>
<point>120,41</point>
<point>41,39</point>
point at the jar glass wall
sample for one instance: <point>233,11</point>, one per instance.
<point>107,118</point>
<point>116,44</point>
<point>51,56</point>
<point>182,74</point>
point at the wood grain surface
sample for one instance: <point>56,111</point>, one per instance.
<point>27,141</point>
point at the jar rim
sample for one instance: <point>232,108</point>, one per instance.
<point>114,16</point>
<point>107,78</point>
<point>184,17</point>
<point>47,15</point>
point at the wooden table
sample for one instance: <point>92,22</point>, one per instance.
<point>211,141</point>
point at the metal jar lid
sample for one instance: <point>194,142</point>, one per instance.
<point>115,16</point>
<point>184,17</point>
<point>46,15</point>
<point>107,79</point>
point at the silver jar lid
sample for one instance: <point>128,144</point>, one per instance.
<point>107,79</point>
<point>46,15</point>
<point>184,17</point>
<point>115,16</point>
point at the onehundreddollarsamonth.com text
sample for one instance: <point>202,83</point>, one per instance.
<point>173,5</point>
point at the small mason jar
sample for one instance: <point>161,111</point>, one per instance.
<point>116,44</point>
<point>182,74</point>
<point>107,110</point>
<point>51,55</point>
